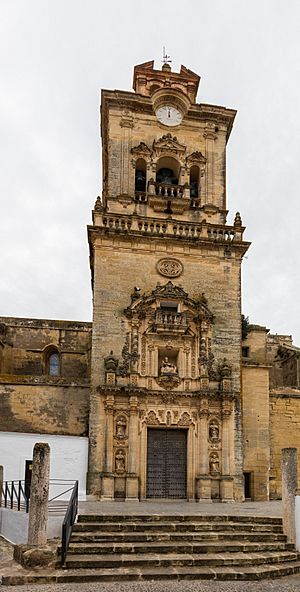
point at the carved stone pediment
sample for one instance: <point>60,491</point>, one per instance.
<point>140,307</point>
<point>195,158</point>
<point>169,290</point>
<point>169,144</point>
<point>142,151</point>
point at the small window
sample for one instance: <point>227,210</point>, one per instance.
<point>194,181</point>
<point>245,352</point>
<point>169,306</point>
<point>53,365</point>
<point>140,176</point>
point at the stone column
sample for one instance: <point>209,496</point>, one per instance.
<point>97,429</point>
<point>204,480</point>
<point>226,411</point>
<point>127,172</point>
<point>226,483</point>
<point>210,136</point>
<point>107,490</point>
<point>39,492</point>
<point>132,482</point>
<point>289,486</point>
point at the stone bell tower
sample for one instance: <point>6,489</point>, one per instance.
<point>165,403</point>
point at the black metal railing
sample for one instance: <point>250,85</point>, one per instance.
<point>68,522</point>
<point>13,496</point>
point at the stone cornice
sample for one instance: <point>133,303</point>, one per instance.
<point>195,236</point>
<point>142,392</point>
<point>56,381</point>
<point>141,104</point>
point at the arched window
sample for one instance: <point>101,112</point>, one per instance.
<point>167,171</point>
<point>194,182</point>
<point>140,175</point>
<point>52,365</point>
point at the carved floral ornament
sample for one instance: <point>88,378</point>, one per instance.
<point>170,418</point>
<point>169,267</point>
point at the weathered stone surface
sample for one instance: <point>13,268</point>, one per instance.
<point>31,556</point>
<point>289,487</point>
<point>39,492</point>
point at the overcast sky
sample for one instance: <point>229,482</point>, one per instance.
<point>55,55</point>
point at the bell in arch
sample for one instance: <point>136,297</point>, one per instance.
<point>166,176</point>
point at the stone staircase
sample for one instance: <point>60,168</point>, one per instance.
<point>154,547</point>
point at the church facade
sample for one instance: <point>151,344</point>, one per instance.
<point>171,388</point>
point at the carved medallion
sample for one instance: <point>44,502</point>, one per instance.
<point>168,381</point>
<point>169,267</point>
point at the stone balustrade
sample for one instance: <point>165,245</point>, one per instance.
<point>185,230</point>
<point>169,191</point>
<point>170,318</point>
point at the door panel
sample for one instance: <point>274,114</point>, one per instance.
<point>166,463</point>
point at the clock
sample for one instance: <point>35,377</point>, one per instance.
<point>168,115</point>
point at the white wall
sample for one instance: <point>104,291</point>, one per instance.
<point>14,526</point>
<point>68,457</point>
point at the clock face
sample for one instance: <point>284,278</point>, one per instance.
<point>169,115</point>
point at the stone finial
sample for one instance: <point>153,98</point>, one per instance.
<point>225,369</point>
<point>136,294</point>
<point>98,205</point>
<point>111,362</point>
<point>237,220</point>
<point>203,298</point>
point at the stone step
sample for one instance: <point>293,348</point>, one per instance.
<point>177,518</point>
<point>180,559</point>
<point>166,527</point>
<point>142,537</point>
<point>89,551</point>
<point>224,573</point>
<point>206,536</point>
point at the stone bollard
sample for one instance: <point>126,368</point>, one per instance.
<point>289,487</point>
<point>38,508</point>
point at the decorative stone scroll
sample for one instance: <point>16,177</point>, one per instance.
<point>152,418</point>
<point>170,268</point>
<point>168,381</point>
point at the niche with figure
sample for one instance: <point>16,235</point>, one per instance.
<point>167,362</point>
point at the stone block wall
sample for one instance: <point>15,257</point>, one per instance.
<point>284,431</point>
<point>256,438</point>
<point>31,399</point>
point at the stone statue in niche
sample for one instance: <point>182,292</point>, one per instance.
<point>120,461</point>
<point>167,367</point>
<point>214,431</point>
<point>214,463</point>
<point>121,425</point>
